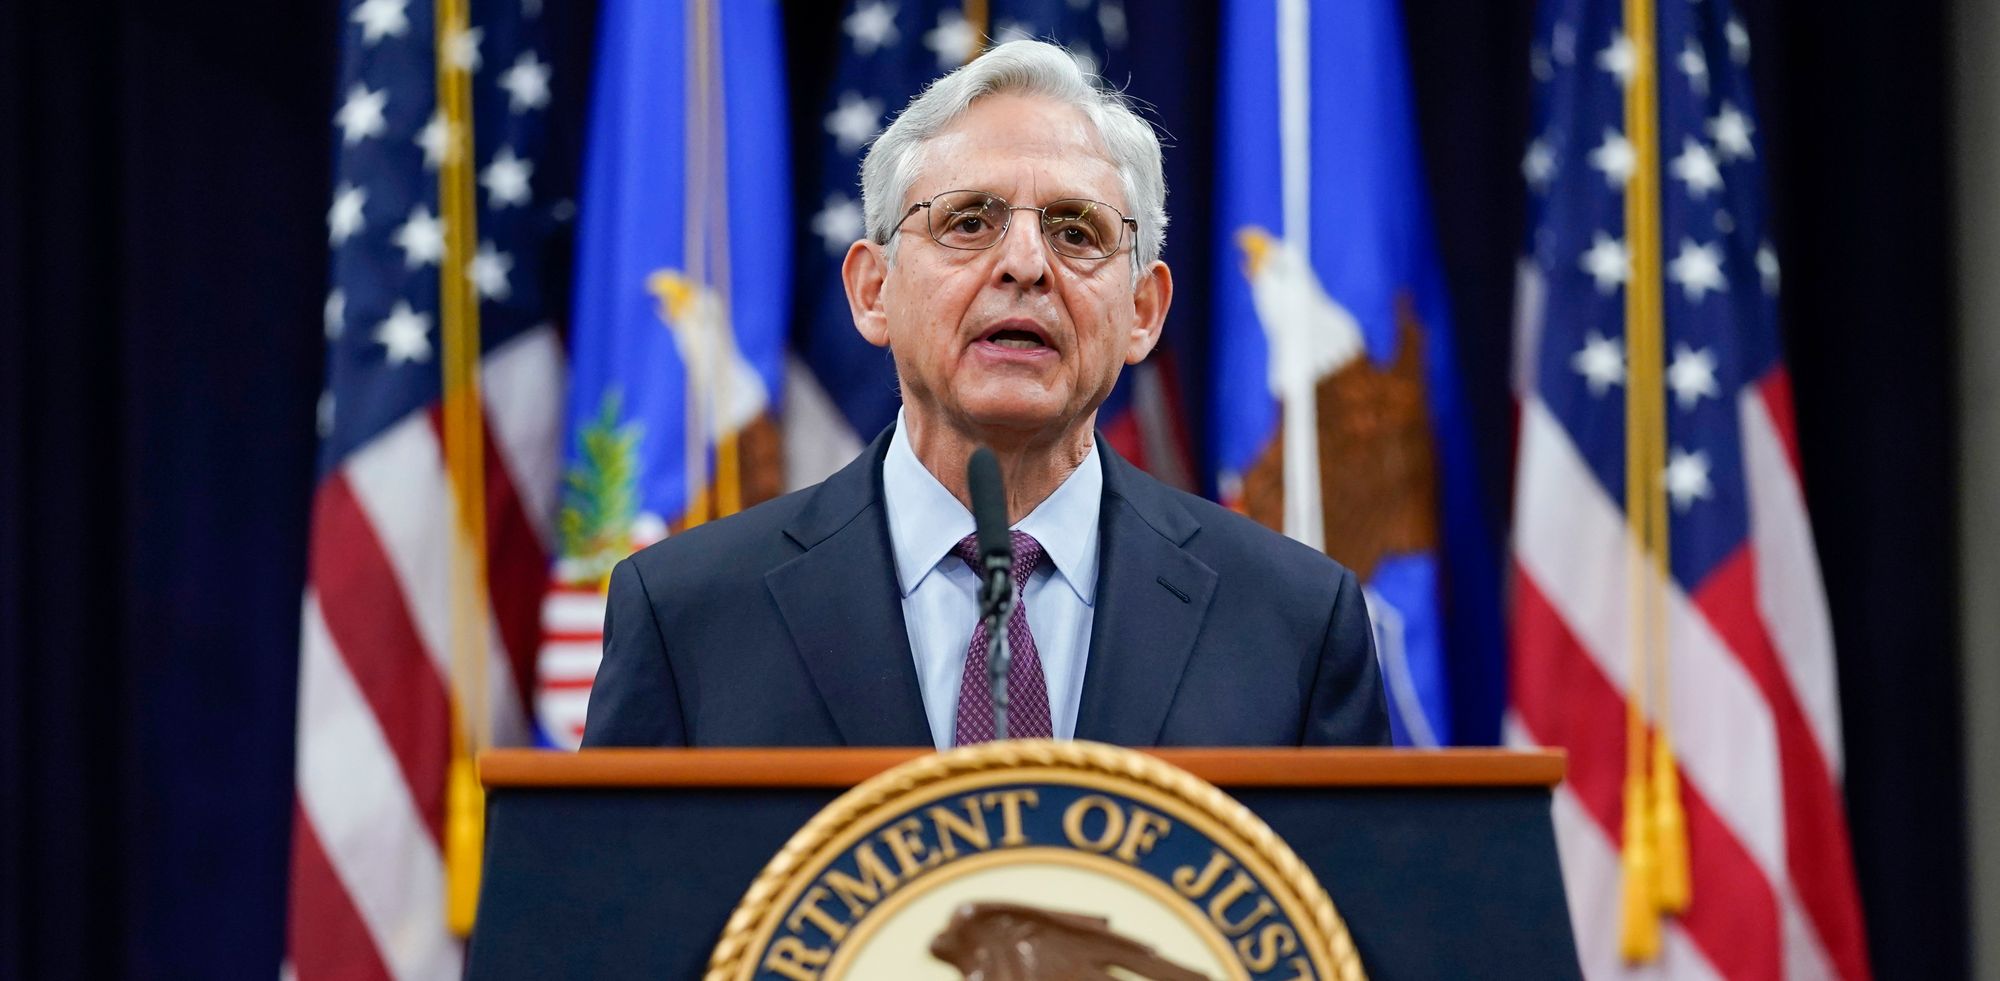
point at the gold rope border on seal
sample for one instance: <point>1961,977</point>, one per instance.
<point>730,959</point>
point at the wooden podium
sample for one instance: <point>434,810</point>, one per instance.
<point>627,863</point>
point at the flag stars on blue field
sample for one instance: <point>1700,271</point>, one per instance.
<point>421,237</point>
<point>1698,270</point>
<point>1687,478</point>
<point>1694,65</point>
<point>361,116</point>
<point>839,223</point>
<point>1696,168</point>
<point>1767,268</point>
<point>1608,262</point>
<point>854,121</point>
<point>953,40</point>
<point>1538,165</point>
<point>404,335</point>
<point>345,217</point>
<point>489,270</point>
<point>381,18</point>
<point>1111,20</point>
<point>1580,161</point>
<point>872,26</point>
<point>1615,158</point>
<point>1731,130</point>
<point>1739,41</point>
<point>1539,65</point>
<point>384,227</point>
<point>1691,376</point>
<point>435,139</point>
<point>1562,44</point>
<point>1601,362</point>
<point>463,49</point>
<point>526,83</point>
<point>1620,59</point>
<point>506,179</point>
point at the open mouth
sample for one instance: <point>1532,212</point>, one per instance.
<point>1017,336</point>
<point>1018,340</point>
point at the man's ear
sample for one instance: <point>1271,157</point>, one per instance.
<point>863,272</point>
<point>1150,300</point>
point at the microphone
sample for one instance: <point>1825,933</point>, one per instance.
<point>989,511</point>
<point>996,563</point>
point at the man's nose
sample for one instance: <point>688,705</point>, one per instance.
<point>1024,257</point>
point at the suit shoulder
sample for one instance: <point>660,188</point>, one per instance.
<point>749,541</point>
<point>1233,538</point>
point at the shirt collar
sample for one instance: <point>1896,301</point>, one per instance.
<point>1066,525</point>
<point>925,521</point>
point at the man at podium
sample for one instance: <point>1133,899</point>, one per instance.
<point>1015,212</point>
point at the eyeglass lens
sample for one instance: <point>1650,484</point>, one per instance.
<point>1075,227</point>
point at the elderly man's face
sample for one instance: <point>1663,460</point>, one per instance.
<point>1015,343</point>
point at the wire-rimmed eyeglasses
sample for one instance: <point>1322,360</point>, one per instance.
<point>1076,227</point>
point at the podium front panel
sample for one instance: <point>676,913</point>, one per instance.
<point>1433,881</point>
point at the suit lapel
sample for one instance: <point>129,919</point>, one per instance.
<point>1152,597</point>
<point>841,605</point>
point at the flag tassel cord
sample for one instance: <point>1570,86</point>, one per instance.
<point>465,454</point>
<point>1654,853</point>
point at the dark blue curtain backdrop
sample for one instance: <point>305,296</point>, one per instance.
<point>163,186</point>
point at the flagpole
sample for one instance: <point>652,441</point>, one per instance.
<point>1303,496</point>
<point>728,461</point>
<point>465,454</point>
<point>976,14</point>
<point>1654,859</point>
<point>697,362</point>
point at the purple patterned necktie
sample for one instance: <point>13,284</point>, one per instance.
<point>1027,689</point>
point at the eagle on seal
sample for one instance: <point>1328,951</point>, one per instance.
<point>1011,942</point>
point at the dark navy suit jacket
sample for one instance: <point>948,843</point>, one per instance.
<point>783,626</point>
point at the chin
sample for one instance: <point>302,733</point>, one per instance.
<point>1013,418</point>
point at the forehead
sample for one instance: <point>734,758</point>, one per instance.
<point>1024,148</point>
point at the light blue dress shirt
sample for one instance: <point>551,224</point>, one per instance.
<point>941,592</point>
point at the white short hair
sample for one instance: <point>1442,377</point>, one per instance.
<point>1024,68</point>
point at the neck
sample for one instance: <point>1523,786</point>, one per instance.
<point>1031,468</point>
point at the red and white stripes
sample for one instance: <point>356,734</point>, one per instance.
<point>1754,708</point>
<point>374,690</point>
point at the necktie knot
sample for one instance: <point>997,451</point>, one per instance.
<point>1028,554</point>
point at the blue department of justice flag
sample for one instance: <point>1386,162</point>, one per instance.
<point>1335,406</point>
<point>683,264</point>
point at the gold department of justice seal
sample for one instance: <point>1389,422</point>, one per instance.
<point>1029,860</point>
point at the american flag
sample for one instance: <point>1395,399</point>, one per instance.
<point>840,390</point>
<point>1665,581</point>
<point>376,695</point>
